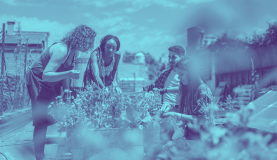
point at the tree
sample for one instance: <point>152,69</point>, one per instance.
<point>269,38</point>
<point>128,57</point>
<point>154,67</point>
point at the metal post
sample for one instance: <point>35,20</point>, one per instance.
<point>24,76</point>
<point>134,82</point>
<point>2,70</point>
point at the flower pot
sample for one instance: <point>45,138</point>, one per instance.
<point>107,143</point>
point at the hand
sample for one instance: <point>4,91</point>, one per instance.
<point>169,114</point>
<point>165,108</point>
<point>66,94</point>
<point>118,90</point>
<point>177,59</point>
<point>75,74</point>
<point>149,88</point>
<point>160,91</point>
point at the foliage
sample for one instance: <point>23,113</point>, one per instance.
<point>128,57</point>
<point>224,43</point>
<point>154,67</point>
<point>228,104</point>
<point>233,140</point>
<point>268,38</point>
<point>105,109</point>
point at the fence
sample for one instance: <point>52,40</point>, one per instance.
<point>132,84</point>
<point>244,77</point>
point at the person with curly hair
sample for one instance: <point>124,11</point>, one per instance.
<point>49,73</point>
<point>103,63</point>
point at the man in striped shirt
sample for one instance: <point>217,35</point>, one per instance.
<point>168,82</point>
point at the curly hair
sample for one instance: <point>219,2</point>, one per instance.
<point>106,38</point>
<point>80,37</point>
<point>177,49</point>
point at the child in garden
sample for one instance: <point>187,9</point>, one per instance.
<point>51,71</point>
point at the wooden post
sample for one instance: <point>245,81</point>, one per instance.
<point>2,70</point>
<point>134,82</point>
<point>24,76</point>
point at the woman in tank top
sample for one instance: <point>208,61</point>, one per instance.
<point>51,71</point>
<point>103,63</point>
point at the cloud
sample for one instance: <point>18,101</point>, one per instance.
<point>133,37</point>
<point>198,1</point>
<point>96,3</point>
<point>234,16</point>
<point>22,2</point>
<point>170,4</point>
<point>88,15</point>
<point>135,5</point>
<point>57,30</point>
<point>151,20</point>
<point>9,2</point>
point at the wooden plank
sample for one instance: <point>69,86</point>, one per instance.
<point>245,94</point>
<point>222,84</point>
<point>218,91</point>
<point>241,102</point>
<point>242,99</point>
<point>247,86</point>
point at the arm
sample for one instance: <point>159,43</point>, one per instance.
<point>151,86</point>
<point>173,90</point>
<point>191,118</point>
<point>167,90</point>
<point>117,58</point>
<point>95,68</point>
<point>58,56</point>
<point>66,89</point>
<point>118,89</point>
<point>202,112</point>
<point>66,84</point>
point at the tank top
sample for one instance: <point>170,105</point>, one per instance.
<point>40,64</point>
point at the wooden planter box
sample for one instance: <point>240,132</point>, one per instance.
<point>113,143</point>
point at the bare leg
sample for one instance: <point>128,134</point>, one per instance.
<point>39,139</point>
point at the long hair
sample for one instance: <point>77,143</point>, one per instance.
<point>188,91</point>
<point>80,37</point>
<point>89,71</point>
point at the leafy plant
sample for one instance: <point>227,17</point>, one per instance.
<point>228,104</point>
<point>105,108</point>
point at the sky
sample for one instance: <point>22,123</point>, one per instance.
<point>141,25</point>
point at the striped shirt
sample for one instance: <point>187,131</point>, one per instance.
<point>171,81</point>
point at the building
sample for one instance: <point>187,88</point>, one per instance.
<point>133,76</point>
<point>195,37</point>
<point>209,39</point>
<point>37,42</point>
<point>139,58</point>
<point>203,58</point>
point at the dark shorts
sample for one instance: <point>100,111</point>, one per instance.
<point>40,111</point>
